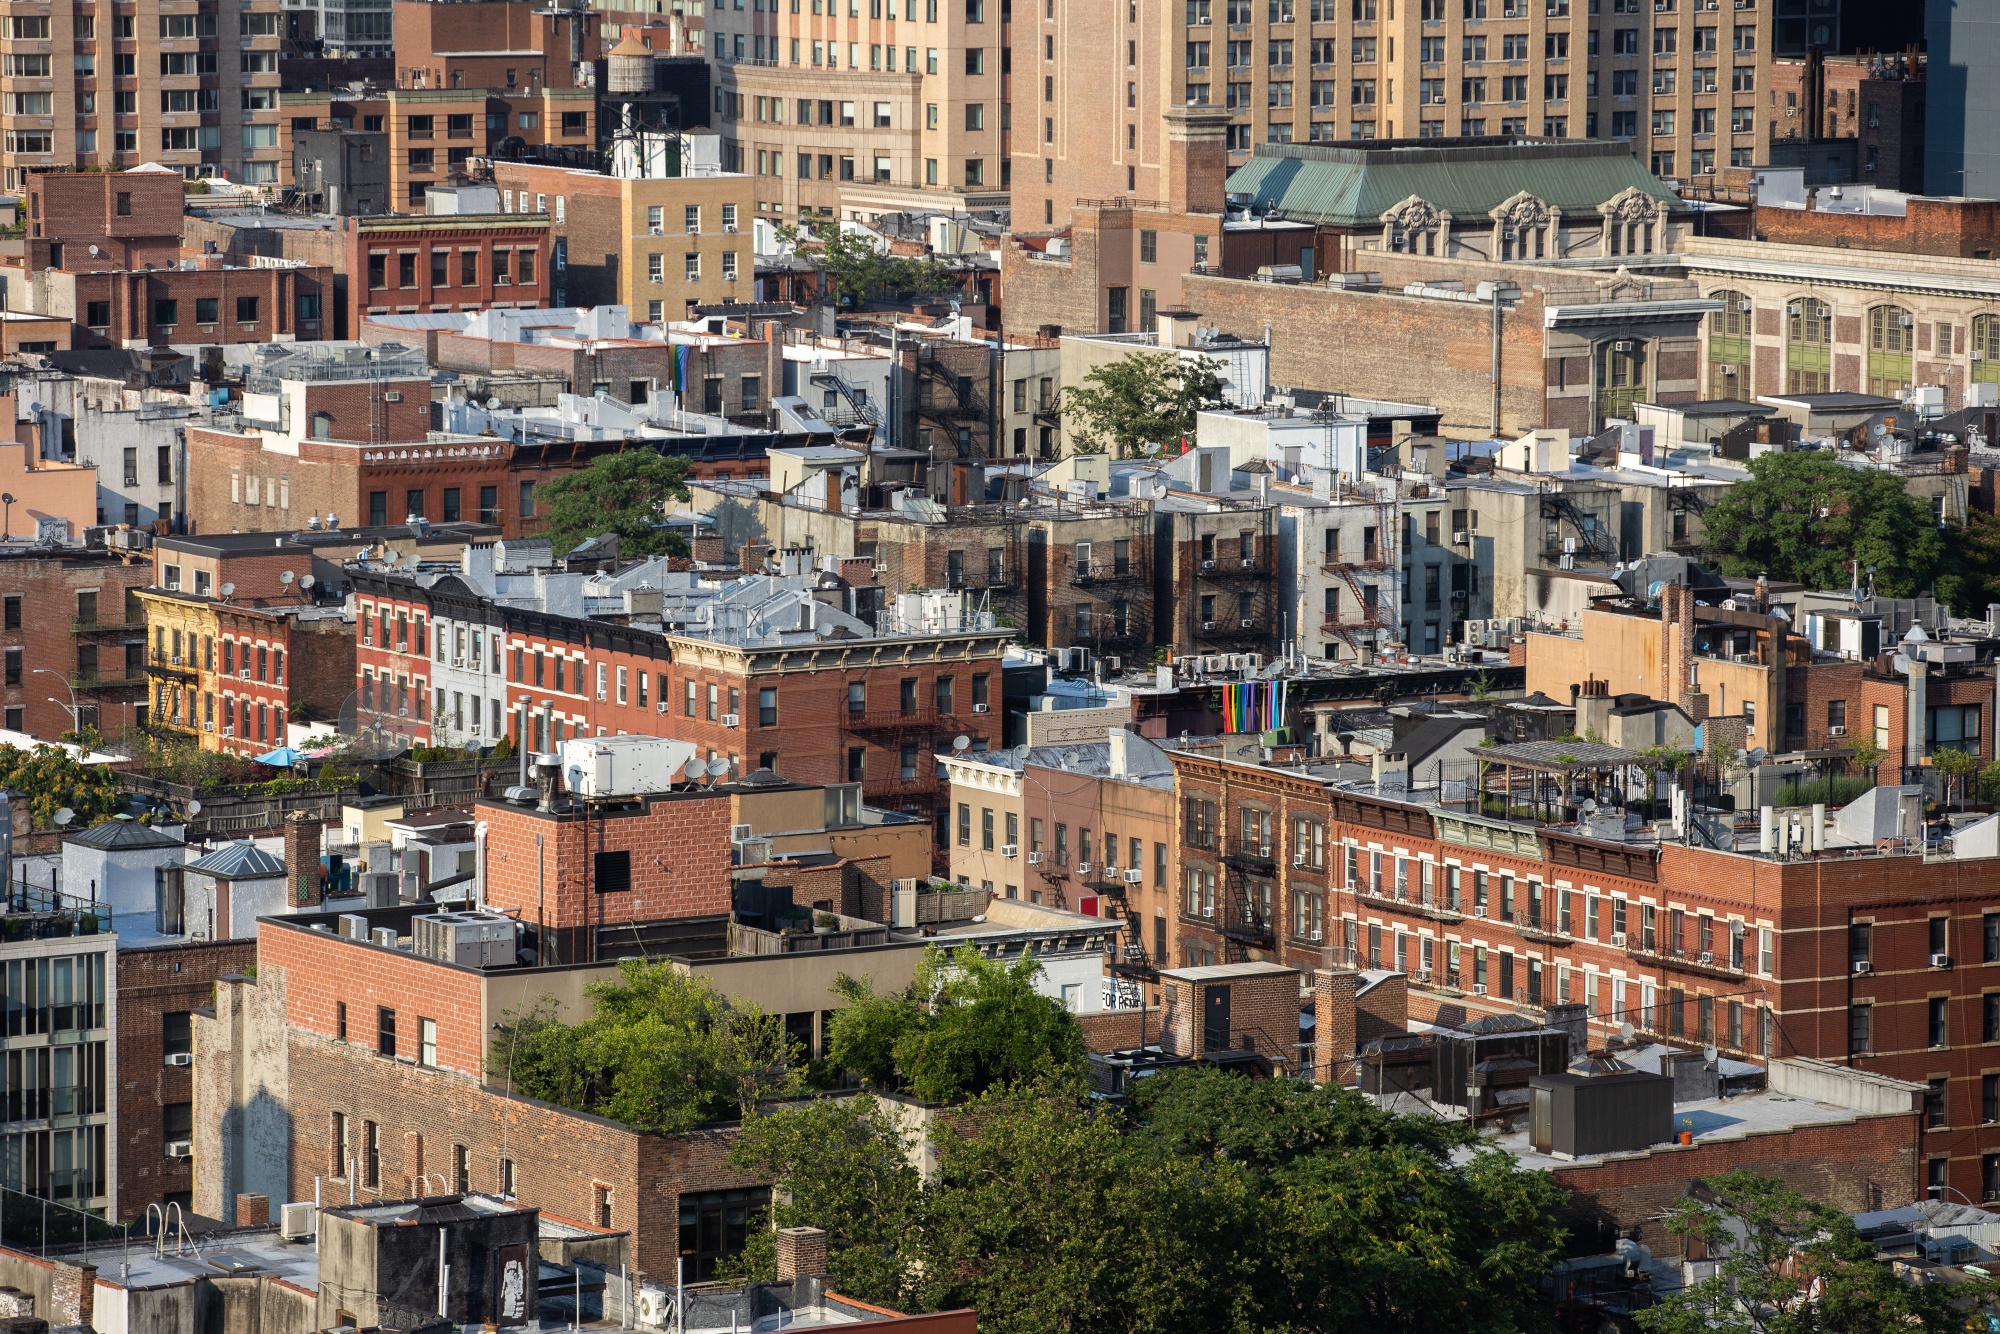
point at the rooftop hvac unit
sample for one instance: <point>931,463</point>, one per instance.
<point>469,939</point>
<point>622,766</point>
<point>354,926</point>
<point>295,1221</point>
<point>385,936</point>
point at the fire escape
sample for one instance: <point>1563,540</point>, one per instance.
<point>854,407</point>
<point>951,406</point>
<point>1246,916</point>
<point>1131,961</point>
<point>1683,501</point>
<point>1227,577</point>
<point>907,737</point>
<point>1592,539</point>
<point>1105,580</point>
<point>1376,554</point>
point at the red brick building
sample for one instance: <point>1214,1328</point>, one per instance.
<point>101,222</point>
<point>67,622</point>
<point>1887,961</point>
<point>445,262</point>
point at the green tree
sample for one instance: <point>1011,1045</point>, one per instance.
<point>845,1168</point>
<point>967,1024</point>
<point>1789,1266</point>
<point>622,493</point>
<point>1146,398</point>
<point>861,269</point>
<point>1801,516</point>
<point>1960,769</point>
<point>661,1051</point>
<point>52,778</point>
<point>1972,580</point>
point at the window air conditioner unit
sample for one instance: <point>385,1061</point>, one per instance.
<point>1249,624</point>
<point>1459,537</point>
<point>1978,354</point>
<point>1940,961</point>
<point>1617,940</point>
<point>392,396</point>
<point>1134,876</point>
<point>981,708</point>
<point>1863,967</point>
<point>208,727</point>
<point>180,1148</point>
<point>180,1058</point>
<point>1725,368</point>
<point>730,229</point>
<point>1708,956</point>
<point>458,663</point>
<point>1299,859</point>
<point>1208,565</point>
<point>656,231</point>
<point>739,832</point>
<point>229,731</point>
<point>1083,868</point>
<point>1313,936</point>
<point>1208,625</point>
<point>243,674</point>
<point>728,719</point>
<point>661,707</point>
<point>1249,562</point>
<point>1837,730</point>
<point>1010,850</point>
<point>1479,988</point>
<point>1035,859</point>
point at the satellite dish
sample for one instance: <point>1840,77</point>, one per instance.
<point>1625,1030</point>
<point>95,252</point>
<point>1021,753</point>
<point>63,816</point>
<point>1708,1053</point>
<point>717,767</point>
<point>193,807</point>
<point>307,582</point>
<point>286,578</point>
<point>227,591</point>
<point>961,742</point>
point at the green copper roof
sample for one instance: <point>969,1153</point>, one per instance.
<point>1350,186</point>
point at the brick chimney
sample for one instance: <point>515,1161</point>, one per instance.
<point>1676,641</point>
<point>801,1253</point>
<point>1197,159</point>
<point>1333,1026</point>
<point>253,1210</point>
<point>302,869</point>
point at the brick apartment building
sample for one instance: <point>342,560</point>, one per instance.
<point>69,622</point>
<point>196,92</point>
<point>446,262</point>
<point>1856,119</point>
<point>873,710</point>
<point>104,252</point>
<point>238,642</point>
<point>349,442</point>
<point>1879,960</point>
<point>1688,92</point>
<point>659,245</point>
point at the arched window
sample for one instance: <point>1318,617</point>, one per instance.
<point>1728,332</point>
<point>1808,346</point>
<point>1891,339</point>
<point>1986,349</point>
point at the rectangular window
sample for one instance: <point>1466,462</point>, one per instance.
<point>385,1031</point>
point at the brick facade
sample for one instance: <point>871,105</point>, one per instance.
<point>100,654</point>
<point>154,982</point>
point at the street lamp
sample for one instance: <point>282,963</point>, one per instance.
<point>7,522</point>
<point>75,715</point>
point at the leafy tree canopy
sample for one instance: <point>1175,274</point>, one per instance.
<point>1146,398</point>
<point>861,269</point>
<point>52,778</point>
<point>1213,1203</point>
<point>661,1052</point>
<point>1789,1266</point>
<point>1802,516</point>
<point>620,493</point>
<point>966,1024</point>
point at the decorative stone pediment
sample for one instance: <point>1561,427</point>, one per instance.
<point>1622,286</point>
<point>1630,205</point>
<point>1522,210</point>
<point>1415,214</point>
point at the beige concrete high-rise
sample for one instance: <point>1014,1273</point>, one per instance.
<point>855,108</point>
<point>1686,82</point>
<point>189,84</point>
